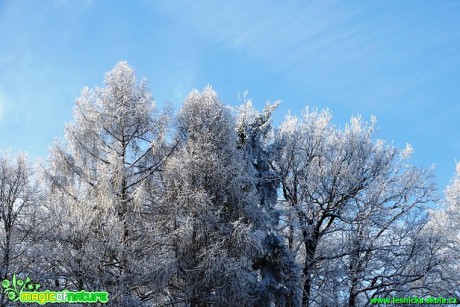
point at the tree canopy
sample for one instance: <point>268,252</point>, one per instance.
<point>216,206</point>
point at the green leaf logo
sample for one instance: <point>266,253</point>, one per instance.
<point>5,283</point>
<point>14,288</point>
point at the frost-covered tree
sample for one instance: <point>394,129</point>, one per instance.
<point>453,197</point>
<point>278,270</point>
<point>228,211</point>
<point>255,137</point>
<point>213,208</point>
<point>443,229</point>
<point>104,185</point>
<point>20,216</point>
<point>297,147</point>
<point>383,225</point>
<point>343,184</point>
<point>384,249</point>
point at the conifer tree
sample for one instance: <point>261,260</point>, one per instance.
<point>104,180</point>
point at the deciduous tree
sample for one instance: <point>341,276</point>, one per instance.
<point>105,175</point>
<point>344,184</point>
<point>20,216</point>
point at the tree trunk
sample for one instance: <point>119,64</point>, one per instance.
<point>352,296</point>
<point>310,249</point>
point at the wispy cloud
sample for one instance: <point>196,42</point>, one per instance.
<point>1,108</point>
<point>376,50</point>
<point>72,3</point>
<point>263,31</point>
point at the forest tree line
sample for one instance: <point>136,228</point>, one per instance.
<point>214,206</point>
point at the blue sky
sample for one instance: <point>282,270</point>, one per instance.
<point>398,60</point>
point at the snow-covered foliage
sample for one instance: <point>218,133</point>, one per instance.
<point>103,185</point>
<point>278,270</point>
<point>255,137</point>
<point>453,195</point>
<point>20,215</point>
<point>443,231</point>
<point>347,198</point>
<point>214,208</point>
